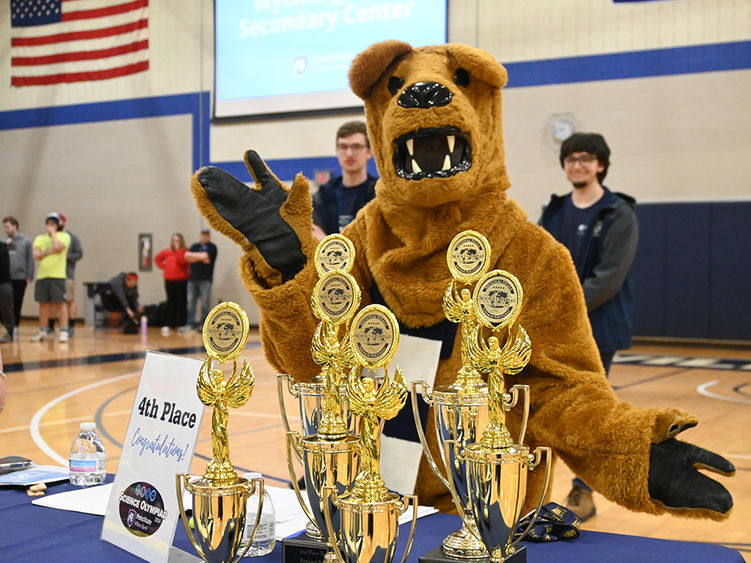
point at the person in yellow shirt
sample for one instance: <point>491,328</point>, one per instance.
<point>51,250</point>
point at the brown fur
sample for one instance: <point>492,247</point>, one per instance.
<point>401,239</point>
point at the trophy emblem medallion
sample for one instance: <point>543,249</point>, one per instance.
<point>335,252</point>
<point>497,299</point>
<point>468,256</point>
<point>336,296</point>
<point>225,332</point>
<point>374,336</point>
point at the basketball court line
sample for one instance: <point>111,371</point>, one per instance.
<point>682,361</point>
<point>35,421</point>
<point>702,390</point>
<point>107,358</point>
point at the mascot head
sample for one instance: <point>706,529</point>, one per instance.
<point>434,119</point>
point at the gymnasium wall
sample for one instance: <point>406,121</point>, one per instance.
<point>666,82</point>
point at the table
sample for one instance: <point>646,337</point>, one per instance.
<point>39,534</point>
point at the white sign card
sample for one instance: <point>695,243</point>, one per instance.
<point>142,511</point>
<point>418,358</point>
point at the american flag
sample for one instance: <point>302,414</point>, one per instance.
<point>55,41</point>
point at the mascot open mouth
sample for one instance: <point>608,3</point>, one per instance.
<point>437,152</point>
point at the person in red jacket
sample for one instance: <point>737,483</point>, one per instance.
<point>176,273</point>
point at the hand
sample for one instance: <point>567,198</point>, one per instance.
<point>675,481</point>
<point>258,219</point>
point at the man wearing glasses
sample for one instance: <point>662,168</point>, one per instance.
<point>337,202</point>
<point>600,229</point>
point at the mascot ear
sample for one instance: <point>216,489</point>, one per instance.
<point>369,65</point>
<point>479,63</point>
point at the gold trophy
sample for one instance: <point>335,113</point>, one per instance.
<point>330,457</point>
<point>460,410</point>
<point>220,496</point>
<point>496,466</point>
<point>334,253</point>
<point>368,511</point>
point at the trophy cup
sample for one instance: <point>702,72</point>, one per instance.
<point>368,511</point>
<point>335,252</point>
<point>460,410</point>
<point>496,466</point>
<point>220,496</point>
<point>330,457</point>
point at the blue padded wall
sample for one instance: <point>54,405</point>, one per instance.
<point>692,272</point>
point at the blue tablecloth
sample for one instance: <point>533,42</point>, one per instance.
<point>38,534</point>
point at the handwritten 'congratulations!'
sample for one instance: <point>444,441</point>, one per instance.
<point>160,446</point>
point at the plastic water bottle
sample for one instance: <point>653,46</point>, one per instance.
<point>86,460</point>
<point>144,325</point>
<point>266,535</point>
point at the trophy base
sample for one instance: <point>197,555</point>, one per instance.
<point>462,544</point>
<point>438,556</point>
<point>302,549</point>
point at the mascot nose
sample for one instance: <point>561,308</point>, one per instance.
<point>424,95</point>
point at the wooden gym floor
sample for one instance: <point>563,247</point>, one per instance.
<point>52,387</point>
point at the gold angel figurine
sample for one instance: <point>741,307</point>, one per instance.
<point>497,361</point>
<point>335,299</point>
<point>373,404</point>
<point>458,308</point>
<point>222,394</point>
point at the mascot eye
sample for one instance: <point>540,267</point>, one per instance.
<point>395,84</point>
<point>461,77</point>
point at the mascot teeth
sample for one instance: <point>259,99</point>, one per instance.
<point>437,152</point>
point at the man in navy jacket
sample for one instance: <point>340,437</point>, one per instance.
<point>600,229</point>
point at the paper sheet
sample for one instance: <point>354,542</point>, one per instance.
<point>89,500</point>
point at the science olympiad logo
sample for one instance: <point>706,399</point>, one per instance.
<point>141,509</point>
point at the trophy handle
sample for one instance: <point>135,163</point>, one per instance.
<point>421,433</point>
<point>326,493</point>
<point>532,464</point>
<point>280,379</point>
<point>515,390</point>
<point>410,499</point>
<point>280,392</point>
<point>292,440</point>
<point>183,516</point>
<point>258,485</point>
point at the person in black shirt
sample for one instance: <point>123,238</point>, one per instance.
<point>7,318</point>
<point>201,257</point>
<point>122,295</point>
<point>337,202</point>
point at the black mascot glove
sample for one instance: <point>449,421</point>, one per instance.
<point>675,481</point>
<point>251,216</point>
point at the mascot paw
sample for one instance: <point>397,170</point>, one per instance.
<point>255,218</point>
<point>675,481</point>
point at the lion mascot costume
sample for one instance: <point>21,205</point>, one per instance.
<point>435,123</point>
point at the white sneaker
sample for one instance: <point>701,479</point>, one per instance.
<point>184,328</point>
<point>63,335</point>
<point>165,330</point>
<point>39,336</point>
